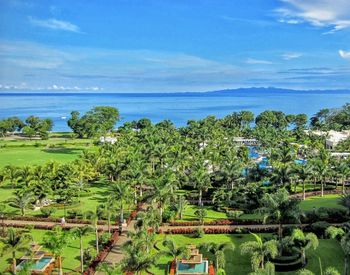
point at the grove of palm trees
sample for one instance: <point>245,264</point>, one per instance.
<point>280,206</point>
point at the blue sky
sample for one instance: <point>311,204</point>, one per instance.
<point>173,45</point>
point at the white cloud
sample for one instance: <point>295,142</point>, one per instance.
<point>54,24</point>
<point>320,13</point>
<point>344,54</point>
<point>289,56</point>
<point>258,61</point>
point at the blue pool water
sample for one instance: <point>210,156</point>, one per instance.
<point>189,268</point>
<point>300,161</point>
<point>38,265</point>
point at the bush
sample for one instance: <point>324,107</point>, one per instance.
<point>319,228</point>
<point>88,256</point>
<point>198,232</point>
<point>74,213</point>
<point>104,239</point>
<point>47,211</point>
<point>234,214</point>
<point>168,215</point>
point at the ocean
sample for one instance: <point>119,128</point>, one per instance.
<point>178,107</point>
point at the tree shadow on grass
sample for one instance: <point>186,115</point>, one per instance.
<point>68,151</point>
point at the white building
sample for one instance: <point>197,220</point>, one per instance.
<point>110,140</point>
<point>333,138</point>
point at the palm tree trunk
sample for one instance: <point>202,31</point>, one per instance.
<point>200,197</point>
<point>81,255</point>
<point>14,263</point>
<point>96,233</point>
<point>60,265</point>
<point>343,186</point>
<point>303,190</point>
<point>322,188</point>
<point>109,222</point>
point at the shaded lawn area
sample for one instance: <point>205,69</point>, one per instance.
<point>71,258</point>
<point>97,195</point>
<point>329,251</point>
<point>318,201</point>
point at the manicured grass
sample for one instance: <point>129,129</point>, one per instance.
<point>329,251</point>
<point>212,214</point>
<point>71,257</point>
<point>97,195</point>
<point>60,147</point>
<point>20,156</point>
<point>318,201</point>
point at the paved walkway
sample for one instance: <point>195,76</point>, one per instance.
<point>116,255</point>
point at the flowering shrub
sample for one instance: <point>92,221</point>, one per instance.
<point>217,222</point>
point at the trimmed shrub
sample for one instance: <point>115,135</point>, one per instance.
<point>47,211</point>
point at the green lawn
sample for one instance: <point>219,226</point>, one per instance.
<point>59,148</point>
<point>97,195</point>
<point>189,215</point>
<point>318,201</point>
<point>329,251</point>
<point>71,258</point>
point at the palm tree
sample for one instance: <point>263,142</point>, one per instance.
<point>136,260</point>
<point>94,217</point>
<point>22,201</point>
<point>108,269</point>
<point>269,269</point>
<point>259,250</point>
<point>14,242</point>
<point>56,240</point>
<point>279,208</point>
<point>11,173</point>
<point>121,193</point>
<point>343,171</point>
<point>344,234</point>
<point>181,205</point>
<point>82,232</point>
<point>304,241</point>
<point>201,180</point>
<point>201,213</point>
<point>304,173</point>
<point>218,249</point>
<point>173,250</point>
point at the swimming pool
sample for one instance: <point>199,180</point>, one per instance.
<point>38,265</point>
<point>201,268</point>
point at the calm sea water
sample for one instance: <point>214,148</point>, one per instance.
<point>178,107</point>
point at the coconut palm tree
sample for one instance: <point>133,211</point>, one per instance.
<point>279,208</point>
<point>22,200</point>
<point>218,249</point>
<point>344,235</point>
<point>121,192</point>
<point>304,173</point>
<point>11,173</point>
<point>173,250</point>
<point>343,171</point>
<point>56,240</point>
<point>94,217</point>
<point>108,269</point>
<point>304,242</point>
<point>136,259</point>
<point>259,250</point>
<point>269,269</point>
<point>201,181</point>
<point>14,242</point>
<point>181,205</point>
<point>81,232</point>
<point>201,213</point>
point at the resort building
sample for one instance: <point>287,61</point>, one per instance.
<point>333,138</point>
<point>246,141</point>
<point>110,140</point>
